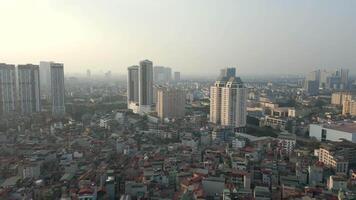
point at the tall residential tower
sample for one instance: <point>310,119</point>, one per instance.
<point>145,79</point>
<point>57,89</point>
<point>7,89</point>
<point>228,99</point>
<point>29,88</point>
<point>140,87</point>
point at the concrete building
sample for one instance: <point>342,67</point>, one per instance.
<point>57,89</point>
<point>228,99</point>
<point>286,143</point>
<point>315,174</point>
<point>233,103</point>
<point>338,98</point>
<point>337,183</point>
<point>176,76</point>
<point>162,74</point>
<point>215,100</point>
<point>145,79</point>
<point>7,89</point>
<point>29,88</point>
<point>228,72</point>
<point>45,79</point>
<point>349,107</point>
<point>333,132</point>
<point>170,103</point>
<point>52,86</point>
<point>338,155</point>
<point>132,85</point>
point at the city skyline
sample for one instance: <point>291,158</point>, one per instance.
<point>279,37</point>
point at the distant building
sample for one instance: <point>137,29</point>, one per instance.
<point>228,99</point>
<point>337,183</point>
<point>57,89</point>
<point>176,76</point>
<point>162,74</point>
<point>52,86</point>
<point>338,155</point>
<point>286,143</point>
<point>233,103</point>
<point>312,87</point>
<point>145,80</point>
<point>7,89</point>
<point>88,74</point>
<point>349,107</point>
<point>170,103</point>
<point>315,174</point>
<point>132,85</point>
<point>140,87</point>
<point>333,132</point>
<point>337,79</point>
<point>338,98</point>
<point>29,88</point>
<point>228,72</point>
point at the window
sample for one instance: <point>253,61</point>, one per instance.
<point>323,135</point>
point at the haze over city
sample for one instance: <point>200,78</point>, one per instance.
<point>196,37</point>
<point>177,100</point>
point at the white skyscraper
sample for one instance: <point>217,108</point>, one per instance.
<point>215,100</point>
<point>145,78</point>
<point>233,103</point>
<point>228,99</point>
<point>7,89</point>
<point>57,89</point>
<point>29,88</point>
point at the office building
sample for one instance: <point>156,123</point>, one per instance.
<point>7,89</point>
<point>176,76</point>
<point>228,99</point>
<point>170,103</point>
<point>57,89</point>
<point>29,88</point>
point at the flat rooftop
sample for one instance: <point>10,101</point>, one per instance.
<point>349,127</point>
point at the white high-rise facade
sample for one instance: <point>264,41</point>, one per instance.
<point>29,88</point>
<point>145,79</point>
<point>233,103</point>
<point>228,99</point>
<point>7,88</point>
<point>57,89</point>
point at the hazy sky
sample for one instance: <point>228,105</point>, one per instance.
<point>192,36</point>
